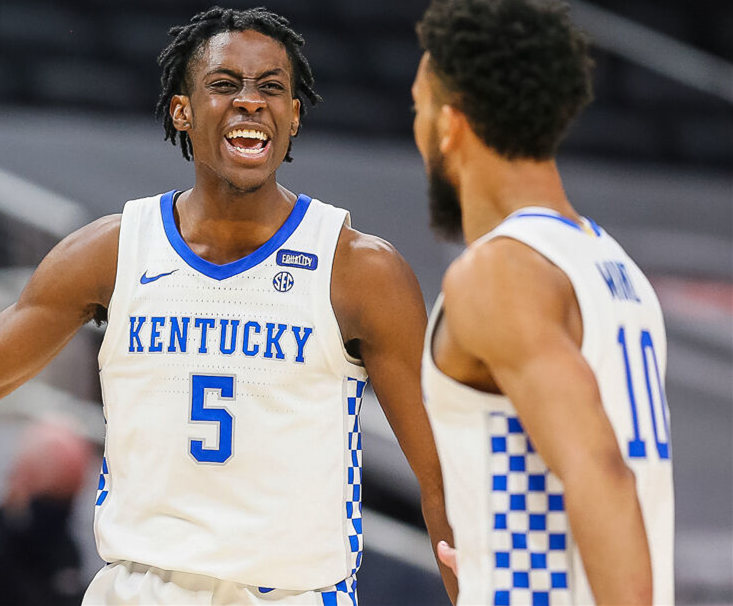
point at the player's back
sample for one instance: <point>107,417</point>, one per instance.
<point>523,552</point>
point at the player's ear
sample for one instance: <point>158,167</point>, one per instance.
<point>451,123</point>
<point>295,122</point>
<point>180,111</point>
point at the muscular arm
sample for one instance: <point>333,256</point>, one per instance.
<point>379,305</point>
<point>64,292</point>
<point>509,307</point>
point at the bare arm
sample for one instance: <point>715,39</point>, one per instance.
<point>513,310</point>
<point>379,305</point>
<point>64,292</point>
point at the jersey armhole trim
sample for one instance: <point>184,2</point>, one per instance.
<point>345,363</point>
<point>110,334</point>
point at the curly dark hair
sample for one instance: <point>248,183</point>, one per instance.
<point>518,69</point>
<point>189,40</point>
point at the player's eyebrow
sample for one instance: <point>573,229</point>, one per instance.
<point>275,71</point>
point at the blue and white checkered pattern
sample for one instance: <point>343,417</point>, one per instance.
<point>354,394</point>
<point>341,594</point>
<point>529,525</point>
<point>102,489</point>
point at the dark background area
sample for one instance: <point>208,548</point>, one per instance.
<point>651,160</point>
<point>98,55</point>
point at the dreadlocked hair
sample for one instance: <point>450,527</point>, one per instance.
<point>189,39</point>
<point>518,69</point>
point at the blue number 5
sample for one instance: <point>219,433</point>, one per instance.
<point>200,385</point>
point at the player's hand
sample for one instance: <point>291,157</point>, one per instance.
<point>447,555</point>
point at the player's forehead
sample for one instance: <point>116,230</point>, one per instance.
<point>425,80</point>
<point>248,53</point>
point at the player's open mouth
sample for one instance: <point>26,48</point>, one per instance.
<point>248,143</point>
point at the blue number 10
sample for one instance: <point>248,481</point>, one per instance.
<point>224,385</point>
<point>637,446</point>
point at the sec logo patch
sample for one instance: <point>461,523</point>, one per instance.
<point>283,281</point>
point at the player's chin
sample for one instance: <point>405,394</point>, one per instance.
<point>248,181</point>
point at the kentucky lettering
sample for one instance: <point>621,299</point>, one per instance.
<point>184,334</point>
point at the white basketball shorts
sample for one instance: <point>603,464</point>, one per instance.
<point>131,584</point>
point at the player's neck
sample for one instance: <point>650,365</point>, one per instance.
<point>491,188</point>
<point>214,197</point>
<point>222,225</point>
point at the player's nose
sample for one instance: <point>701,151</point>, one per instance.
<point>250,100</point>
<point>249,105</point>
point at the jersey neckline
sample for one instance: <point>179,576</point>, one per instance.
<point>227,270</point>
<point>588,226</point>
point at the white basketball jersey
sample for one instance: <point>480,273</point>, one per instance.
<point>233,444</point>
<point>505,506</point>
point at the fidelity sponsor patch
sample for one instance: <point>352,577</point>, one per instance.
<point>294,258</point>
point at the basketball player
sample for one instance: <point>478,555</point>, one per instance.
<point>544,363</point>
<point>243,320</point>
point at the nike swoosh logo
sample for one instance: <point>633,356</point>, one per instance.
<point>145,279</point>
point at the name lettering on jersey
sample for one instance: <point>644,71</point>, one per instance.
<point>293,258</point>
<point>176,334</point>
<point>616,277</point>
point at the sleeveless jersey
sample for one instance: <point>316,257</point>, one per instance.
<point>505,506</point>
<point>233,444</point>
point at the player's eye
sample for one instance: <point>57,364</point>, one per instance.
<point>223,85</point>
<point>273,86</point>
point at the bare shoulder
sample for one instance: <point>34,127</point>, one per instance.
<point>90,250</point>
<point>98,236</point>
<point>503,290</point>
<point>360,252</point>
<point>80,269</point>
<point>503,269</point>
<point>370,278</point>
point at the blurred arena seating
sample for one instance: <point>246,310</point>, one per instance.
<point>650,160</point>
<point>92,54</point>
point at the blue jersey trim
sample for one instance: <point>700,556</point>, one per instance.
<point>221,272</point>
<point>544,216</point>
<point>593,225</point>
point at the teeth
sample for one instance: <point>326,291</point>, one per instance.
<point>247,134</point>
<point>247,151</point>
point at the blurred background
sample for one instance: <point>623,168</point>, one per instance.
<point>651,160</point>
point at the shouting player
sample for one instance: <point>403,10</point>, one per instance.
<point>243,320</point>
